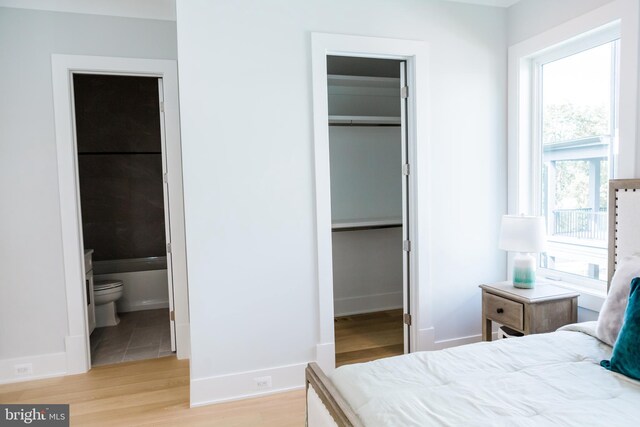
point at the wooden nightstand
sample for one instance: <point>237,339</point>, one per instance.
<point>544,308</point>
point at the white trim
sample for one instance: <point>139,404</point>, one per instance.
<point>456,342</point>
<point>44,366</point>
<point>326,355</point>
<point>367,303</point>
<point>415,53</point>
<point>520,124</point>
<point>62,67</point>
<point>242,385</point>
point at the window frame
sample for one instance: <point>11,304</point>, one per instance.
<point>623,14</point>
<point>598,37</point>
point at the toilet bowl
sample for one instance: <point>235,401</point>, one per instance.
<point>105,294</point>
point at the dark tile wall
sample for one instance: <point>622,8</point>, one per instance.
<point>120,166</point>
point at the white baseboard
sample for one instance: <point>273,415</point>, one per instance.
<point>183,343</point>
<point>367,303</point>
<point>242,385</point>
<point>43,366</point>
<point>125,307</point>
<point>326,356</point>
<point>427,342</point>
<point>76,354</point>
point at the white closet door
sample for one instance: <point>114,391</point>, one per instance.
<point>405,205</point>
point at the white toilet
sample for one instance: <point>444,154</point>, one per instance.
<point>105,294</point>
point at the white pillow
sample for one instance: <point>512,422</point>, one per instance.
<point>612,312</point>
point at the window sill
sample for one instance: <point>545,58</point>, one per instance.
<point>590,299</point>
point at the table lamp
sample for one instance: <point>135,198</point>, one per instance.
<point>525,235</point>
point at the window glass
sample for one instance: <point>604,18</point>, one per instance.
<point>577,138</point>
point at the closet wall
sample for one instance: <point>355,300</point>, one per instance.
<point>366,188</point>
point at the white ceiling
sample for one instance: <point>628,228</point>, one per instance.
<point>496,3</point>
<point>150,9</point>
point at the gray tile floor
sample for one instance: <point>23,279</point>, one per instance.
<point>139,335</point>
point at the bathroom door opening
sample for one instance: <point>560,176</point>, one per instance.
<point>370,205</point>
<point>124,215</point>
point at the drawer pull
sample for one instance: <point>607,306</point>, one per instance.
<point>500,311</point>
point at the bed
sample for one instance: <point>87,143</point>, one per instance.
<point>536,380</point>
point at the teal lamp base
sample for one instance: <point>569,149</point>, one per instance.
<point>524,271</point>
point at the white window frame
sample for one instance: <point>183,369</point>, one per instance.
<point>590,40</point>
<point>618,18</point>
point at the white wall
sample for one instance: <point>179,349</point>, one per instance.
<point>530,17</point>
<point>367,270</point>
<point>245,86</point>
<point>32,288</point>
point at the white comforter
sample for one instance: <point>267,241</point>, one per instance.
<point>537,380</point>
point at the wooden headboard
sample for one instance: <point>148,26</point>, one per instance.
<point>624,221</point>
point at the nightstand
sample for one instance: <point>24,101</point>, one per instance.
<point>544,308</point>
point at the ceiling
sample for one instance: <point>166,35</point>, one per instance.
<point>150,9</point>
<point>496,3</point>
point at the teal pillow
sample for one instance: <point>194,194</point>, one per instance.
<point>626,351</point>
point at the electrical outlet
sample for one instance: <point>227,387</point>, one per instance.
<point>263,382</point>
<point>23,369</point>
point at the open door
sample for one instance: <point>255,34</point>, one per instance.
<point>406,242</point>
<point>167,222</point>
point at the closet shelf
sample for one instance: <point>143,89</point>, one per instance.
<point>364,120</point>
<point>363,81</point>
<point>349,225</point>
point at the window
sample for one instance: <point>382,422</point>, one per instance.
<point>574,144</point>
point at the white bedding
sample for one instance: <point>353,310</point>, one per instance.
<point>537,380</point>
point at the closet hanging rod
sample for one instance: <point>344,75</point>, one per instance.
<point>365,124</point>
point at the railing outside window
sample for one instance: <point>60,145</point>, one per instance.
<point>580,223</point>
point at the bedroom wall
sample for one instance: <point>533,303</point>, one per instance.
<point>527,18</point>
<point>245,82</point>
<point>32,288</point>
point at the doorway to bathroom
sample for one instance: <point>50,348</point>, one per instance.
<point>77,265</point>
<point>125,219</point>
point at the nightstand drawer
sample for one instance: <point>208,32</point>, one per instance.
<point>503,311</point>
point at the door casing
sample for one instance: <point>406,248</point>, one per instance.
<point>415,55</point>
<point>63,67</point>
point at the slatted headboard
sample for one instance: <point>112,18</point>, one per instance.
<point>624,220</point>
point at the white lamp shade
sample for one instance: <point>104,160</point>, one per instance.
<point>520,233</point>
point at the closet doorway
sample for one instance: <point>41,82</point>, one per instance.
<point>369,170</point>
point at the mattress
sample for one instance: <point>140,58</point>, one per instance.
<point>537,380</point>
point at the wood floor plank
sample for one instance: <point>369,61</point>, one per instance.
<point>151,393</point>
<point>370,336</point>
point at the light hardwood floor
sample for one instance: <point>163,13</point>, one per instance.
<point>151,392</point>
<point>370,336</point>
<point>156,392</point>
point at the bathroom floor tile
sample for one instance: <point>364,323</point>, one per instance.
<point>139,335</point>
<point>144,337</point>
<point>141,353</point>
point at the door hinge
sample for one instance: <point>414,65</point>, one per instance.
<point>404,92</point>
<point>162,106</point>
<point>407,319</point>
<point>172,315</point>
<point>405,169</point>
<point>165,178</point>
<point>406,245</point>
<point>168,248</point>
